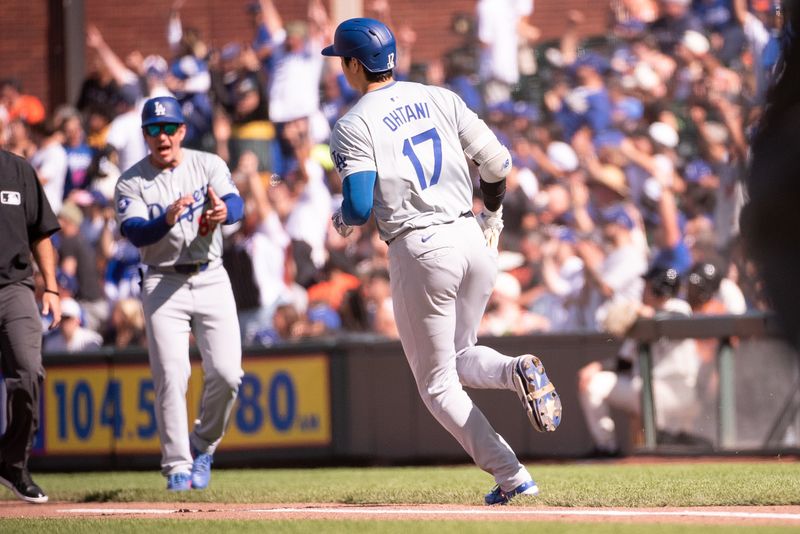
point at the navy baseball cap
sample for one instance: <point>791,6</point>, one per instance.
<point>617,214</point>
<point>162,110</point>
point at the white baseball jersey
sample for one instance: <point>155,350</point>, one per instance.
<point>441,270</point>
<point>409,134</point>
<point>145,191</point>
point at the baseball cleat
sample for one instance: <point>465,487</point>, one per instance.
<point>19,481</point>
<point>537,393</point>
<point>498,496</point>
<point>179,482</point>
<point>201,470</point>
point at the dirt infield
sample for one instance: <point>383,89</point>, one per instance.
<point>741,515</point>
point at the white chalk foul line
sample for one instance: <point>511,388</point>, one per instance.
<point>112,511</point>
<point>463,512</point>
<point>542,512</point>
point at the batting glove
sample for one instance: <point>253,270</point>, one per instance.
<point>491,223</point>
<point>343,229</point>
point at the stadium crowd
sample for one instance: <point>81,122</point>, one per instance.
<point>628,150</point>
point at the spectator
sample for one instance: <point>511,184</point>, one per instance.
<point>670,247</point>
<point>18,140</point>
<point>378,296</point>
<point>98,100</point>
<point>17,105</point>
<point>461,63</point>
<point>676,18</point>
<point>613,275</point>
<point>255,254</point>
<point>287,325</point>
<point>505,316</point>
<point>239,89</point>
<point>588,104</point>
<point>189,80</point>
<point>50,161</point>
<point>717,18</point>
<point>77,261</point>
<point>124,78</point>
<point>502,24</point>
<point>295,65</point>
<point>79,153</point>
<point>71,336</point>
<point>126,328</point>
<point>721,154</point>
<point>518,209</point>
<point>632,17</point>
<point>331,291</point>
<point>153,73</point>
<point>762,34</point>
<point>125,131</point>
<point>307,223</point>
<point>563,277</point>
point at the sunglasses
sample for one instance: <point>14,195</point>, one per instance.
<point>154,130</point>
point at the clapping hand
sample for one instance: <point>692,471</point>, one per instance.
<point>175,210</point>
<point>219,210</point>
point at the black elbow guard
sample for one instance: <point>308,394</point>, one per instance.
<point>493,193</point>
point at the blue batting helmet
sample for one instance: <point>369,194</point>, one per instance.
<point>162,109</point>
<point>368,40</point>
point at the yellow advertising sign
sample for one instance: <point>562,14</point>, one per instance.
<point>98,409</point>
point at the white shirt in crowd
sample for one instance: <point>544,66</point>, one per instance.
<point>125,135</point>
<point>497,30</point>
<point>82,340</point>
<point>267,249</point>
<point>622,271</point>
<point>294,85</point>
<point>50,162</point>
<point>311,214</point>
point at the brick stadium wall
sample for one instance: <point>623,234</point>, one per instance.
<point>23,43</point>
<point>141,24</point>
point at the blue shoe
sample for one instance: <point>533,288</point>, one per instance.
<point>201,469</point>
<point>179,482</point>
<point>537,393</point>
<point>498,496</point>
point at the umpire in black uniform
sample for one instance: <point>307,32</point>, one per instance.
<point>26,224</point>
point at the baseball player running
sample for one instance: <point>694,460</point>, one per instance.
<point>171,205</point>
<point>400,151</point>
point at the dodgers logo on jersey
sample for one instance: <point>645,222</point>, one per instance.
<point>123,204</point>
<point>11,198</point>
<point>339,160</point>
<point>159,109</point>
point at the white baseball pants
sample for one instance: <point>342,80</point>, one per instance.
<point>175,305</point>
<point>441,279</point>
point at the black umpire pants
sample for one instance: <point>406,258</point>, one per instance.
<point>21,358</point>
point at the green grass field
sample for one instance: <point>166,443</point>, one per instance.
<point>567,485</point>
<point>603,484</point>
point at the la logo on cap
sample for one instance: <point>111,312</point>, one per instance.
<point>160,110</point>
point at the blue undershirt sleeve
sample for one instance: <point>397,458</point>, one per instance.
<point>142,232</point>
<point>235,207</point>
<point>357,192</point>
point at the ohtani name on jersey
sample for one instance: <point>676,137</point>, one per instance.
<point>404,114</point>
